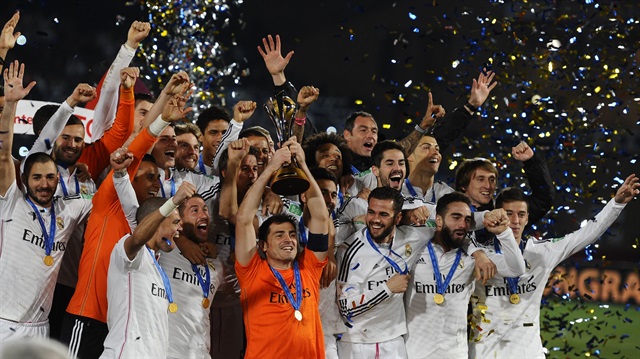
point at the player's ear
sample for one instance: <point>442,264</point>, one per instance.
<point>439,221</point>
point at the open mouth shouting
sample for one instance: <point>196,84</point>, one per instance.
<point>395,179</point>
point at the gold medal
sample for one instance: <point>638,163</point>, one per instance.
<point>438,298</point>
<point>173,307</point>
<point>514,299</point>
<point>48,261</point>
<point>205,303</point>
<point>298,315</point>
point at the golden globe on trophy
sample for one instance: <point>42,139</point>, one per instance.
<point>290,179</point>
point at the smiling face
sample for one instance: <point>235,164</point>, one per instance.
<point>363,137</point>
<point>69,145</point>
<point>381,219</point>
<point>281,246</point>
<point>518,213</point>
<point>392,169</point>
<point>146,183</point>
<point>42,182</point>
<point>164,150</point>
<point>426,157</point>
<point>481,187</point>
<point>329,157</point>
<point>187,152</point>
<point>195,219</point>
<point>212,136</point>
<point>454,225</point>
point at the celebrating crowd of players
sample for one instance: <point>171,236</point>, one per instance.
<point>163,238</point>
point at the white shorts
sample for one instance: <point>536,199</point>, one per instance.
<point>11,330</point>
<point>393,348</point>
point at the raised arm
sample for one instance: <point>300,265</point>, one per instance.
<point>306,96</point>
<point>120,159</point>
<point>537,172</point>
<point>8,38</point>
<point>229,191</point>
<point>13,92</point>
<point>245,232</point>
<point>146,229</point>
<point>81,94</point>
<point>105,111</point>
<point>512,263</point>
<point>433,112</point>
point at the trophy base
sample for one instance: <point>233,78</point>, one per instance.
<point>289,181</point>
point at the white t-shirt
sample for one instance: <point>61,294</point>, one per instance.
<point>26,283</point>
<point>137,316</point>
<point>372,312</point>
<point>515,328</point>
<point>189,327</point>
<point>440,331</point>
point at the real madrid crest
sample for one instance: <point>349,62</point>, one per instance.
<point>407,250</point>
<point>60,223</point>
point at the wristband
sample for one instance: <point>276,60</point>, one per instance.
<point>420,129</point>
<point>300,121</point>
<point>167,207</point>
<point>119,174</point>
<point>157,126</point>
<point>471,107</point>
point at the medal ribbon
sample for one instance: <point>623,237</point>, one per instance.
<point>296,272</point>
<point>203,169</point>
<point>410,188</point>
<point>173,187</point>
<point>511,281</point>
<point>64,186</point>
<point>163,274</point>
<point>48,237</point>
<point>354,170</point>
<point>391,261</point>
<point>204,284</point>
<point>440,286</point>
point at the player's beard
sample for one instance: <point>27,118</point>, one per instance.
<point>43,201</point>
<point>380,237</point>
<point>65,159</point>
<point>189,231</point>
<point>447,238</point>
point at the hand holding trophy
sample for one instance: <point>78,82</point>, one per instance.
<point>289,179</point>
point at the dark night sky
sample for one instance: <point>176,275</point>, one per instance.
<point>348,49</point>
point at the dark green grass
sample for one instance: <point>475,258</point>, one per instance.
<point>582,329</point>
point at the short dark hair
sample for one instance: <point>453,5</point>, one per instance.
<point>213,113</point>
<point>311,144</point>
<point>142,96</point>
<point>511,194</point>
<point>320,173</point>
<point>74,120</point>
<point>149,206</point>
<point>386,193</point>
<point>33,158</point>
<point>44,114</point>
<point>383,146</point>
<point>447,199</point>
<point>467,168</point>
<point>224,158</point>
<point>351,120</point>
<point>148,158</point>
<point>265,227</point>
